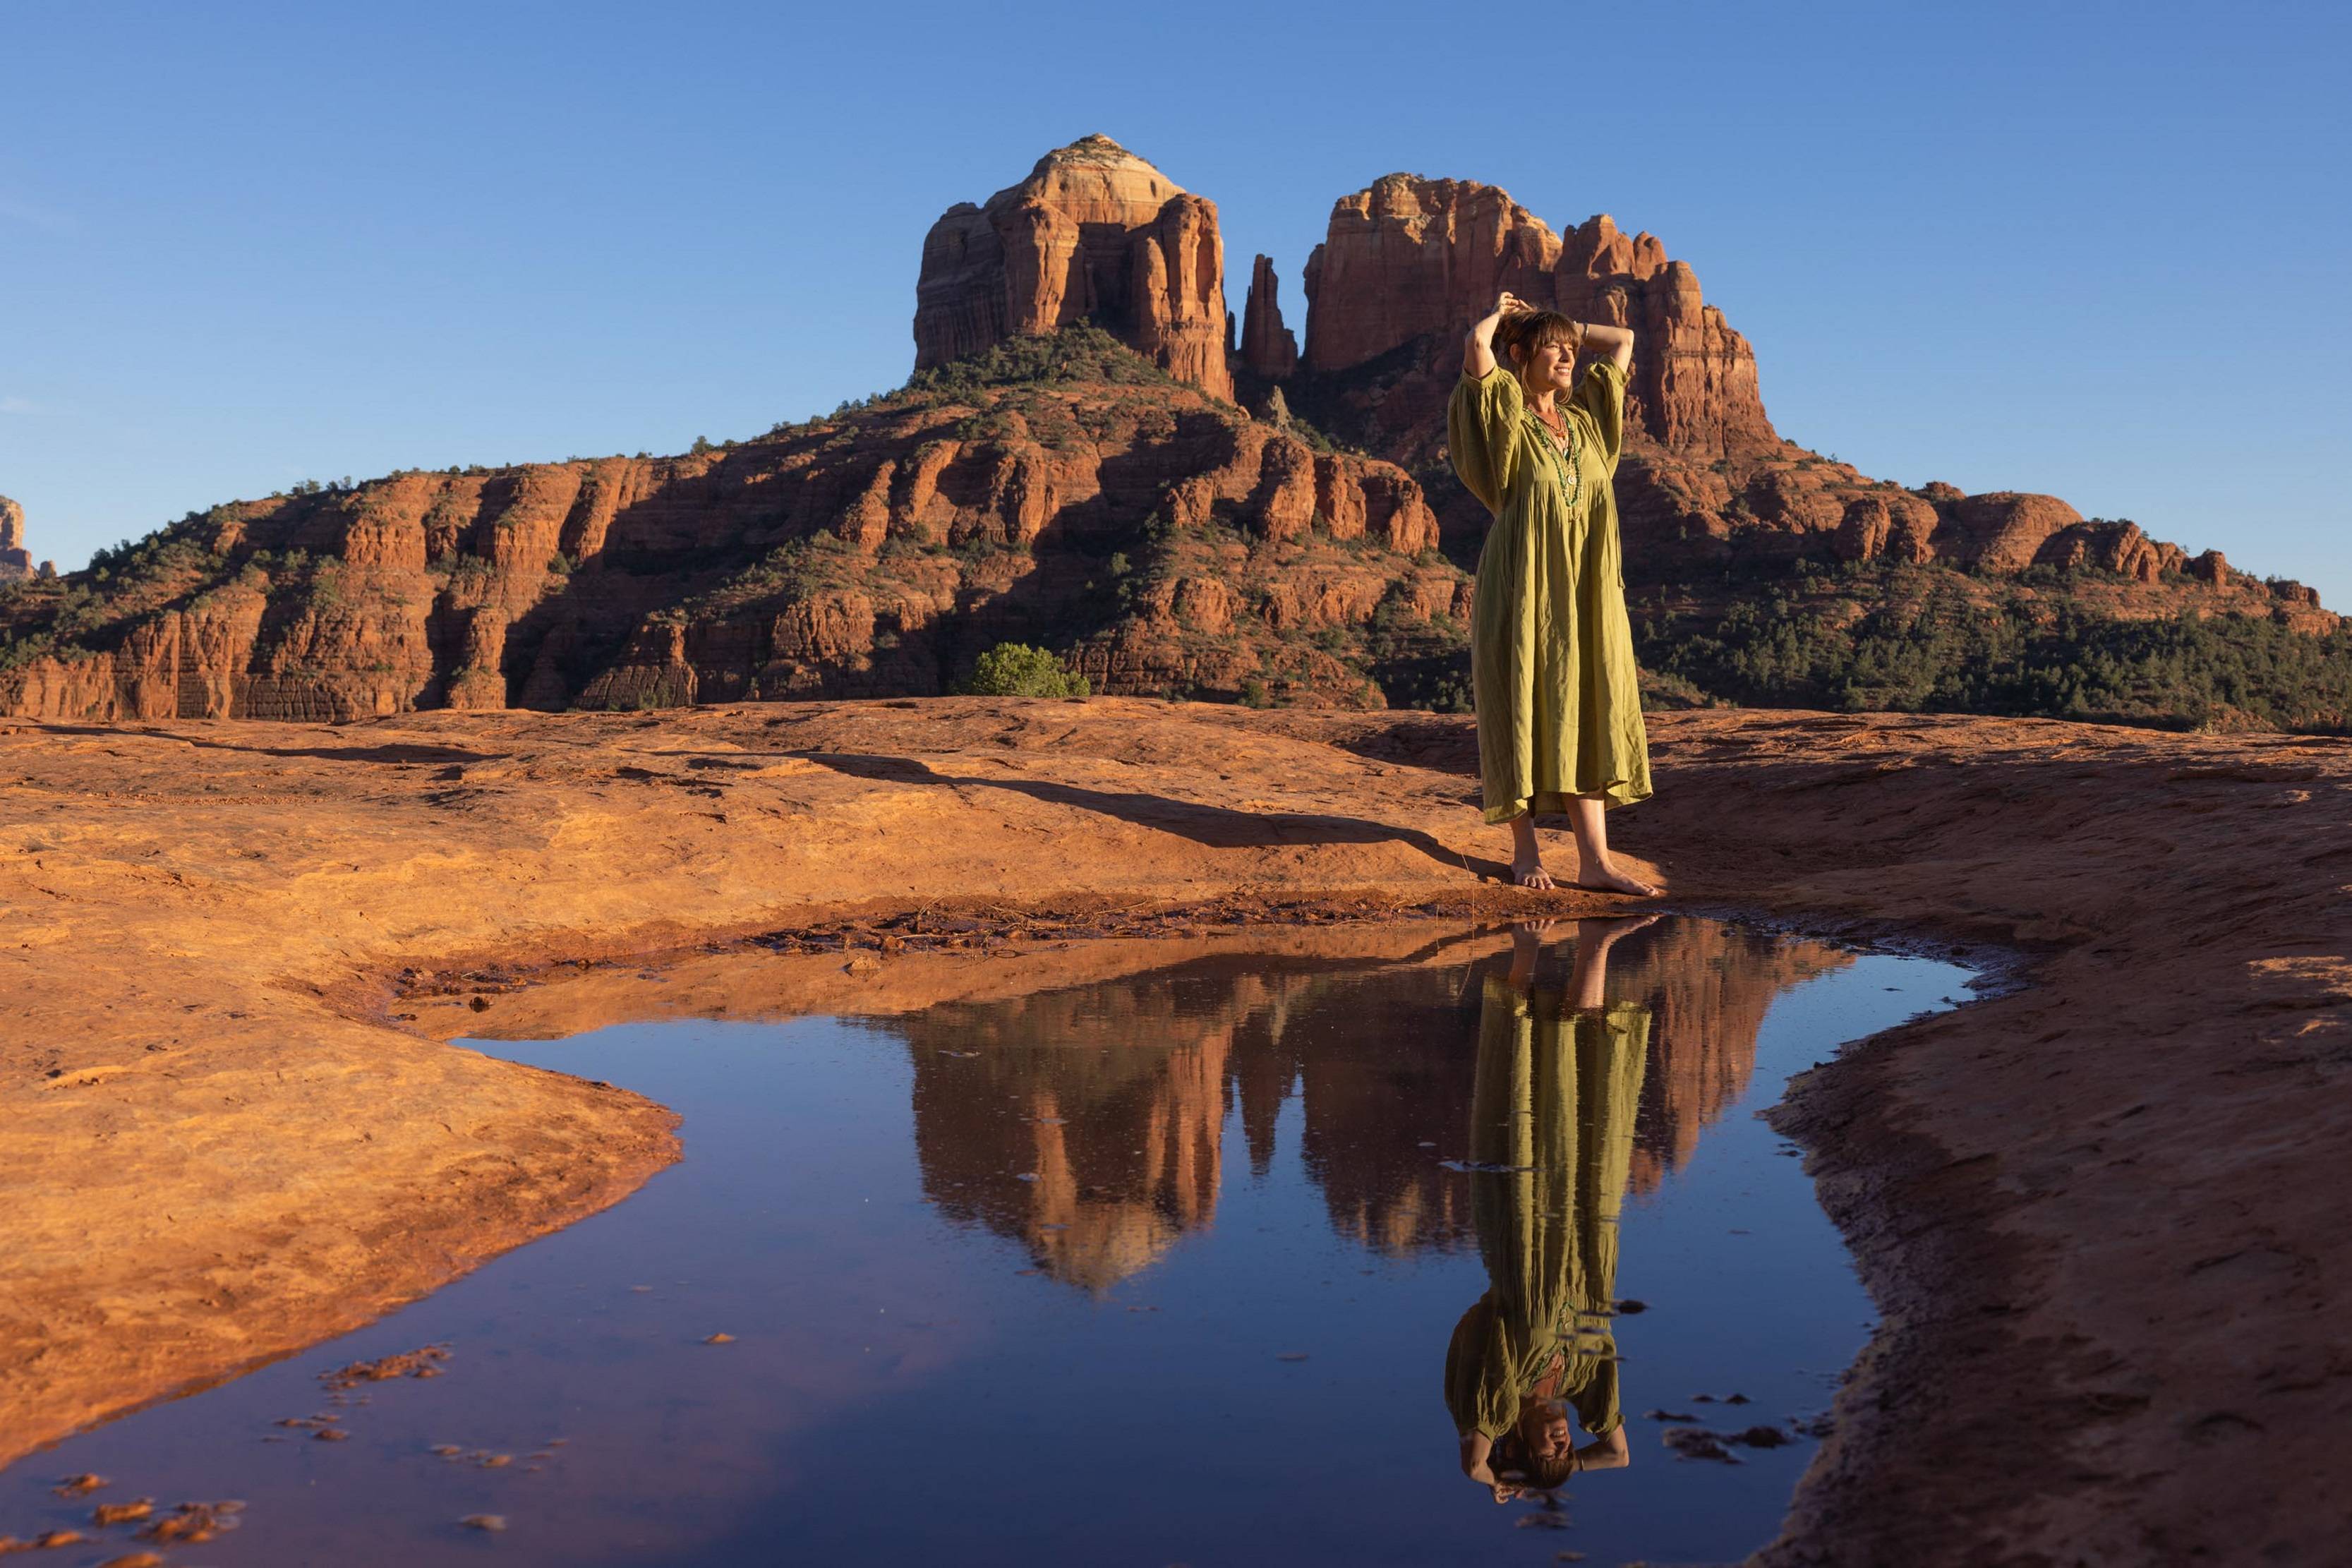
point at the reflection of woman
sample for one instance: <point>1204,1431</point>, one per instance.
<point>1558,1082</point>
<point>1560,716</point>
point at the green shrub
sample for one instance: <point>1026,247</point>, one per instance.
<point>1939,651</point>
<point>1017,669</point>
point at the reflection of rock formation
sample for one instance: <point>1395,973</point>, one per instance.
<point>1707,986</point>
<point>1371,1095</point>
<point>1113,1097</point>
<point>1379,1066</point>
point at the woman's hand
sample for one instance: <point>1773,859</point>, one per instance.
<point>1505,304</point>
<point>1478,354</point>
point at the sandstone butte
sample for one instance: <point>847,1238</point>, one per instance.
<point>1093,232</point>
<point>1118,508</point>
<point>2094,1206</point>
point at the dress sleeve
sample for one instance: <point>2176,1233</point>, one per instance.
<point>1602,395</point>
<point>1596,1402</point>
<point>1481,432</point>
<point>1479,1395</point>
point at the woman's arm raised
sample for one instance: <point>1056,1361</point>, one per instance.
<point>1478,352</point>
<point>1617,342</point>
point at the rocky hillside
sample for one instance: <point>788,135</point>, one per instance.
<point>1056,491</point>
<point>1093,454</point>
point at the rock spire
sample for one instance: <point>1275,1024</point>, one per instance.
<point>1268,348</point>
<point>15,561</point>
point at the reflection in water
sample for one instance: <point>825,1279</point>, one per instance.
<point>1112,1139</point>
<point>1551,1145</point>
<point>1269,1194</point>
<point>1113,1099</point>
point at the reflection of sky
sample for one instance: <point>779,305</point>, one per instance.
<point>899,1389</point>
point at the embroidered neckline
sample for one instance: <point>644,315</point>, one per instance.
<point>1567,459</point>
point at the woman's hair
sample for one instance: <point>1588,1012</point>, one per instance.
<point>1531,330</point>
<point>1511,1455</point>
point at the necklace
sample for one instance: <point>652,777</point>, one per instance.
<point>1565,449</point>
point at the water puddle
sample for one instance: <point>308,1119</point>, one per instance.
<point>1213,1263</point>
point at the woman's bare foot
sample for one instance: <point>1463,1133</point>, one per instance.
<point>1596,868</point>
<point>1527,855</point>
<point>1606,878</point>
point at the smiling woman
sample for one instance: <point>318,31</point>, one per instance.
<point>1560,712</point>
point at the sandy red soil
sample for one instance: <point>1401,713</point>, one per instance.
<point>2099,1210</point>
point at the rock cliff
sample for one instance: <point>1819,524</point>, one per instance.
<point>1160,539</point>
<point>1094,232</point>
<point>1407,263</point>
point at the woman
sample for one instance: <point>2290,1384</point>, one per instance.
<point>1558,1090</point>
<point>1560,716</point>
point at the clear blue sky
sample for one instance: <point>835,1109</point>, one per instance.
<point>2096,250</point>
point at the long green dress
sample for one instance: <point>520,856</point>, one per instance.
<point>1553,1107</point>
<point>1551,652</point>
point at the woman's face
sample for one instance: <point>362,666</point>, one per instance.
<point>1545,1428</point>
<point>1548,367</point>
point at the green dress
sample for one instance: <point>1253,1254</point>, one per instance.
<point>1553,1109</point>
<point>1551,652</point>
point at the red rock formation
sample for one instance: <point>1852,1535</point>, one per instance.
<point>1694,387</point>
<point>1268,349</point>
<point>1158,538</point>
<point>1407,259</point>
<point>1093,232</point>
<point>1163,541</point>
<point>15,561</point>
<point>2003,530</point>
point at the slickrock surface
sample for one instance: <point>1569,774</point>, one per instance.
<point>2100,1212</point>
<point>1094,231</point>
